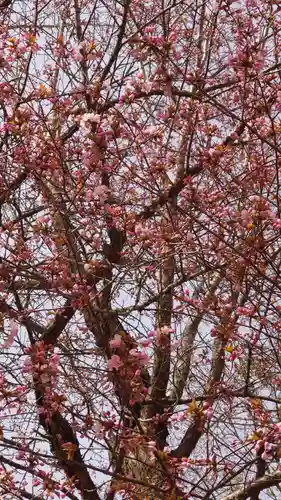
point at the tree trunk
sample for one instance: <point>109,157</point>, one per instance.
<point>146,469</point>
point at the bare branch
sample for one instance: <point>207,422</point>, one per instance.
<point>185,353</point>
<point>255,487</point>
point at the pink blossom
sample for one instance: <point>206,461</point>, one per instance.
<point>268,446</point>
<point>89,194</point>
<point>142,356</point>
<point>21,388</point>
<point>209,413</point>
<point>258,445</point>
<point>276,223</point>
<point>101,192</point>
<point>116,341</point>
<point>152,131</point>
<point>162,334</point>
<point>55,359</point>
<point>89,118</point>
<point>147,86</point>
<point>114,362</point>
<point>246,218</point>
<point>278,427</point>
<point>145,342</point>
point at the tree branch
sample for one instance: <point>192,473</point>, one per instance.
<point>16,315</point>
<point>57,326</point>
<point>32,472</point>
<point>59,431</point>
<point>118,45</point>
<point>195,430</point>
<point>255,487</point>
<point>162,353</point>
<point>189,334</point>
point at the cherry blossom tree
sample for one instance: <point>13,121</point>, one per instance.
<point>140,290</point>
